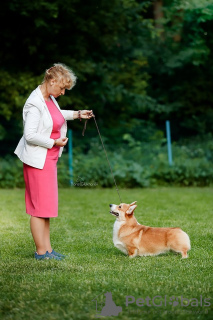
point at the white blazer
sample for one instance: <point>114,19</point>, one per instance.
<point>38,125</point>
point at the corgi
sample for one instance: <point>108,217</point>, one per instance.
<point>135,239</point>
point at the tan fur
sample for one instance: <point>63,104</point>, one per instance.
<point>135,239</point>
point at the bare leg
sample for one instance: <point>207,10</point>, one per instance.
<point>47,243</point>
<point>37,226</point>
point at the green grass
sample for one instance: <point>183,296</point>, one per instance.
<point>53,290</point>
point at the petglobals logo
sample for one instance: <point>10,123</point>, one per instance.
<point>80,182</point>
<point>106,306</point>
<point>159,301</point>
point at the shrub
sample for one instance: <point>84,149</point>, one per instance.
<point>11,173</point>
<point>134,164</point>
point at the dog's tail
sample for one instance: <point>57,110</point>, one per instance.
<point>186,241</point>
<point>180,242</point>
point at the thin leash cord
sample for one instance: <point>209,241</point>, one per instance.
<point>105,154</point>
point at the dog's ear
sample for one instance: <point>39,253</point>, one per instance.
<point>131,209</point>
<point>131,204</point>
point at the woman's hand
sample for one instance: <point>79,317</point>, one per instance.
<point>86,114</point>
<point>61,142</point>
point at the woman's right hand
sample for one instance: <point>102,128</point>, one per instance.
<point>61,142</point>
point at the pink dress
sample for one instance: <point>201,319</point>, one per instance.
<point>41,185</point>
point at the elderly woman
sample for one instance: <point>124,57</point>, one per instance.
<point>42,143</point>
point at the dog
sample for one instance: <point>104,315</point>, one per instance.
<point>135,239</point>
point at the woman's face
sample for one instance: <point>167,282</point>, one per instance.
<point>56,88</point>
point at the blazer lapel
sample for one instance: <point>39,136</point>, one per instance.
<point>40,95</point>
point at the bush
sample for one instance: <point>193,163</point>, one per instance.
<point>186,173</point>
<point>134,164</point>
<point>11,173</point>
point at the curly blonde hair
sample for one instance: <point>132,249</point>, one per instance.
<point>62,74</point>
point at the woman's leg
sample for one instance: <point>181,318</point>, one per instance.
<point>47,235</point>
<point>38,229</point>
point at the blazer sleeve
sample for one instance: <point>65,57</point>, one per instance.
<point>67,114</point>
<point>32,117</point>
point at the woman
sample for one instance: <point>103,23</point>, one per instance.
<point>42,143</point>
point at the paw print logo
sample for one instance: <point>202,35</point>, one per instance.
<point>173,301</point>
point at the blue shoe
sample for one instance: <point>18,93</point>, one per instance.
<point>56,254</point>
<point>46,256</point>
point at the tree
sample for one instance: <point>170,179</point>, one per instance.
<point>180,68</point>
<point>101,40</point>
<point>135,68</point>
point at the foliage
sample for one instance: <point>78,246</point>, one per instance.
<point>102,42</point>
<point>146,164</point>
<point>134,70</point>
<point>180,68</point>
<point>11,173</point>
<point>133,165</point>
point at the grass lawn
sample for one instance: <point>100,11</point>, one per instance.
<point>75,287</point>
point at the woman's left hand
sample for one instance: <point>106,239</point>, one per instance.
<point>87,114</point>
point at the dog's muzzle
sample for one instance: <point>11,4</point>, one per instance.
<point>113,212</point>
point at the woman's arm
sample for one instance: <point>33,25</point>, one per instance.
<point>72,115</point>
<point>32,119</point>
<point>68,114</point>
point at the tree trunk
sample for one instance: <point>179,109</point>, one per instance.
<point>158,15</point>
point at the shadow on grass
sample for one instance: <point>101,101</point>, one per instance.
<point>159,256</point>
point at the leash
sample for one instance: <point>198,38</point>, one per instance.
<point>85,125</point>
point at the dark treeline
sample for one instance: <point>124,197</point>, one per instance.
<point>138,64</point>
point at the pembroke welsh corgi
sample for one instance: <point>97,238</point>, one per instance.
<point>135,239</point>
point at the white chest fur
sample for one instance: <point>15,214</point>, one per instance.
<point>117,242</point>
